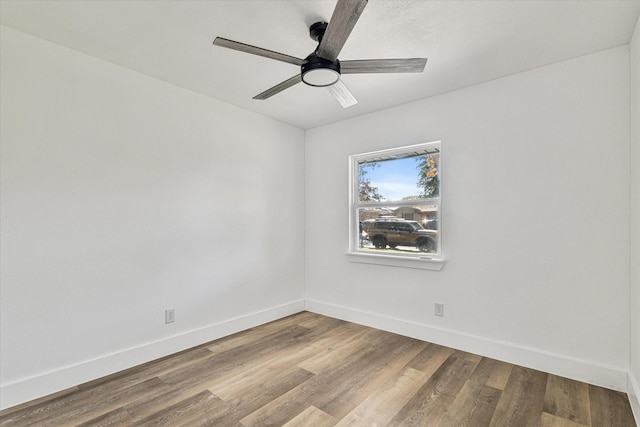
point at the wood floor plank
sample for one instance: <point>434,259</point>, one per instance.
<point>314,321</point>
<point>263,331</point>
<point>164,395</point>
<point>429,404</point>
<point>549,420</point>
<point>244,383</point>
<point>344,349</point>
<point>522,400</point>
<point>609,408</point>
<point>381,406</point>
<point>355,388</point>
<point>431,358</point>
<point>95,407</point>
<point>473,406</point>
<point>183,411</point>
<point>37,405</point>
<point>115,418</point>
<point>109,389</point>
<point>82,405</point>
<point>148,370</point>
<point>237,356</point>
<point>250,400</point>
<point>312,417</point>
<point>492,373</point>
<point>568,399</point>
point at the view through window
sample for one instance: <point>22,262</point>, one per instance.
<point>396,201</point>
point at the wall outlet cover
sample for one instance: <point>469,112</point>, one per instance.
<point>170,315</point>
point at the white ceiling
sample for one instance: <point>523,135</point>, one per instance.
<point>467,42</point>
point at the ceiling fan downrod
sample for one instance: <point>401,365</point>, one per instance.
<point>317,30</point>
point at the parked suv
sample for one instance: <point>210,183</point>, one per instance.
<point>399,232</point>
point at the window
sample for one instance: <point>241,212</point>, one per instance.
<point>395,207</point>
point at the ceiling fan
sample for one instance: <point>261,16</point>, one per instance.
<point>322,68</point>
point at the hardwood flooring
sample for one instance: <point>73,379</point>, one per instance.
<point>311,370</point>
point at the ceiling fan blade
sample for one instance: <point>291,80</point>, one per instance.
<point>359,66</point>
<point>344,18</point>
<point>242,47</point>
<point>342,94</point>
<point>279,87</point>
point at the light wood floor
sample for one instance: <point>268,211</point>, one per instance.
<point>311,370</point>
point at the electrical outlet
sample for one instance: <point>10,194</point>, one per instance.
<point>439,311</point>
<point>170,315</point>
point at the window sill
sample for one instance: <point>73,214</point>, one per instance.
<point>423,263</point>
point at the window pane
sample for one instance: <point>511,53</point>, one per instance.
<point>402,230</point>
<point>400,178</point>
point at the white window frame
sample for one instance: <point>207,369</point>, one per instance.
<point>428,262</point>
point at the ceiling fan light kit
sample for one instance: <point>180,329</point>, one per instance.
<point>322,67</point>
<point>320,72</point>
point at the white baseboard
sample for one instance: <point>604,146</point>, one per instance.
<point>26,389</point>
<point>634,396</point>
<point>581,370</point>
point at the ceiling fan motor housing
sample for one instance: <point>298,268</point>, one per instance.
<point>317,71</point>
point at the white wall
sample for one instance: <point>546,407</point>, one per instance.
<point>122,196</point>
<point>535,220</point>
<point>634,377</point>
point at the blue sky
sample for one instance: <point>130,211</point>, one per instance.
<point>395,179</point>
